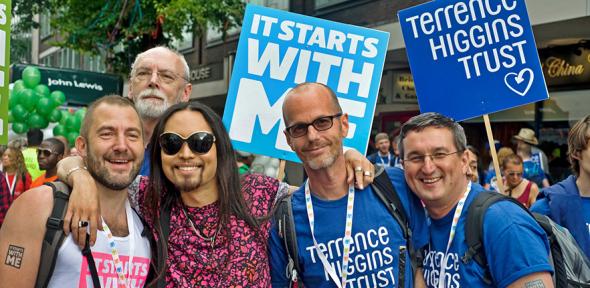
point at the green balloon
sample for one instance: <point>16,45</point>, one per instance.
<point>18,85</point>
<point>80,113</point>
<point>73,124</point>
<point>31,77</point>
<point>54,116</point>
<point>60,130</point>
<point>44,106</point>
<point>64,117</point>
<point>19,113</point>
<point>58,97</point>
<point>28,99</point>
<point>20,128</point>
<point>42,89</point>
<point>37,121</point>
<point>13,99</point>
<point>10,118</point>
<point>71,136</point>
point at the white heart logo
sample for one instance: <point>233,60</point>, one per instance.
<point>518,79</point>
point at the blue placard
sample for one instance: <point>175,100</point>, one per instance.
<point>472,57</point>
<point>278,50</point>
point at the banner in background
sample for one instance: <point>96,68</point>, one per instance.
<point>470,58</point>
<point>5,8</point>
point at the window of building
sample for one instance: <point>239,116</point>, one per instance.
<point>45,25</point>
<point>319,4</point>
<point>187,41</point>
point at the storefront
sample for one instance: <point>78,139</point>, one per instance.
<point>80,87</point>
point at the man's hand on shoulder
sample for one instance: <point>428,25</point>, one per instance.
<point>83,204</point>
<point>21,237</point>
<point>358,169</point>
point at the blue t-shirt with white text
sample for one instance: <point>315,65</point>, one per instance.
<point>377,239</point>
<point>514,244</point>
<point>586,211</point>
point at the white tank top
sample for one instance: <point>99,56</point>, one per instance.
<point>71,268</point>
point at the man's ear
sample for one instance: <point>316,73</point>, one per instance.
<point>465,162</point>
<point>81,146</point>
<point>186,93</point>
<point>289,140</point>
<point>345,124</point>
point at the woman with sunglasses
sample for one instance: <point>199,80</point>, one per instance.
<point>216,224</point>
<point>517,187</point>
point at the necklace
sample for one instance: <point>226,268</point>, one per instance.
<point>200,231</point>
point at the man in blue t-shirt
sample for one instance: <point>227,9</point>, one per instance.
<point>568,202</point>
<point>339,228</point>
<point>436,165</point>
<point>384,156</point>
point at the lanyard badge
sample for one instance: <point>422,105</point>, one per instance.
<point>341,283</point>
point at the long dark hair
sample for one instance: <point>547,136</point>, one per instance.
<point>161,192</point>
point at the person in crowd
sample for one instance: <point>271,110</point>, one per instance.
<point>34,138</point>
<point>473,157</point>
<point>323,209</point>
<point>515,185</point>
<point>49,153</point>
<point>111,144</point>
<point>435,165</point>
<point>5,198</point>
<point>384,156</point>
<point>64,140</point>
<point>490,181</point>
<point>568,202</point>
<point>244,161</point>
<point>532,162</point>
<point>17,177</point>
<point>218,223</point>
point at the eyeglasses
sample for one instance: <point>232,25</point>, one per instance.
<point>44,152</point>
<point>199,142</point>
<point>514,174</point>
<point>320,124</point>
<point>436,157</point>
<point>164,76</point>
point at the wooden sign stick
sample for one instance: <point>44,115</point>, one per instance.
<point>499,184</point>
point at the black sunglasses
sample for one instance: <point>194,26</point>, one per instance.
<point>199,142</point>
<point>44,152</point>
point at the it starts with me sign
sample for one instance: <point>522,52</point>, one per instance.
<point>278,50</point>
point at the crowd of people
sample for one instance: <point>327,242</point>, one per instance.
<point>157,199</point>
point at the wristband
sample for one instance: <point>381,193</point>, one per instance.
<point>74,170</point>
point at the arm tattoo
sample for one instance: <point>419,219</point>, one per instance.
<point>534,284</point>
<point>14,256</point>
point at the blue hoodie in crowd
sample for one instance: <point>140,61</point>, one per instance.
<point>564,205</point>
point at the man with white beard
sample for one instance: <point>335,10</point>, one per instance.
<point>159,78</point>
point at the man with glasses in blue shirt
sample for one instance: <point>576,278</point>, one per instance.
<point>436,169</point>
<point>346,237</point>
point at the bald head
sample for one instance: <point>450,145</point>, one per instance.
<point>306,91</point>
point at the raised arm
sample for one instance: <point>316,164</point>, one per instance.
<point>21,237</point>
<point>83,204</point>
